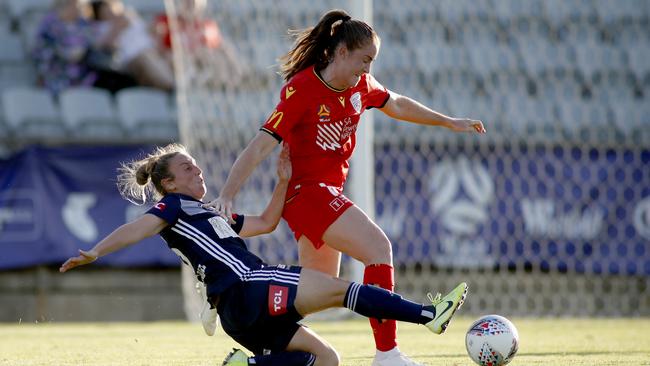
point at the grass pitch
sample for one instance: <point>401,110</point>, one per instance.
<point>542,342</point>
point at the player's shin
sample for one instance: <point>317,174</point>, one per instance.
<point>374,302</point>
<point>384,331</point>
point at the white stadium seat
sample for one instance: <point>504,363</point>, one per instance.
<point>89,113</point>
<point>146,114</point>
<point>18,8</point>
<point>31,113</point>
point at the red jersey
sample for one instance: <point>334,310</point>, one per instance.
<point>319,124</point>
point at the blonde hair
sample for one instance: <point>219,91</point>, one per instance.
<point>140,181</point>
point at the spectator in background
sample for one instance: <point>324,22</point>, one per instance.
<point>201,37</point>
<point>124,35</point>
<point>63,42</point>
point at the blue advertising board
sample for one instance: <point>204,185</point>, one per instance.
<point>54,201</point>
<point>557,208</point>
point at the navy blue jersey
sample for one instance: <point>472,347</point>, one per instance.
<point>205,240</point>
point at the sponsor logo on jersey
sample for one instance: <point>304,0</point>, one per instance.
<point>328,135</point>
<point>323,114</point>
<point>355,99</point>
<point>278,298</point>
<point>160,206</point>
<point>342,101</point>
<point>288,92</point>
<point>275,117</point>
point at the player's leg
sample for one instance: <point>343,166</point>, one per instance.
<point>318,291</point>
<point>324,259</point>
<point>355,234</point>
<point>307,340</point>
<point>306,348</point>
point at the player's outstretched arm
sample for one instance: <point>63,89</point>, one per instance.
<point>257,150</point>
<point>269,219</point>
<point>125,235</point>
<point>406,109</point>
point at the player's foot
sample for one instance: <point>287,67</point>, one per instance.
<point>446,307</point>
<point>236,357</point>
<point>393,357</point>
<point>209,318</point>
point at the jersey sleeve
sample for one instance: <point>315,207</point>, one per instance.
<point>287,113</point>
<point>168,209</point>
<point>377,95</point>
<point>238,224</point>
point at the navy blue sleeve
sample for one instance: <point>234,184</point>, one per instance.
<point>239,222</point>
<point>168,209</point>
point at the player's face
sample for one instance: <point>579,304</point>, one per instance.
<point>188,177</point>
<point>357,62</point>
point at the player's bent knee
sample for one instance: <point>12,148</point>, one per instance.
<point>380,252</point>
<point>328,357</point>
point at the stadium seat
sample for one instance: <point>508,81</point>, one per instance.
<point>559,12</point>
<point>11,50</point>
<point>146,114</point>
<point>487,59</point>
<point>90,115</point>
<point>595,59</point>
<point>14,71</point>
<point>613,11</point>
<point>29,26</point>
<point>19,8</point>
<point>42,122</point>
<point>507,10</point>
<point>639,58</point>
<point>147,7</point>
<point>632,117</point>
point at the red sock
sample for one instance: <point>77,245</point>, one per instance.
<point>384,331</point>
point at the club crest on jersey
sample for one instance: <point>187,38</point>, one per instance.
<point>289,92</point>
<point>355,99</point>
<point>324,113</point>
<point>160,206</point>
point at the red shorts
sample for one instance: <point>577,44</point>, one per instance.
<point>311,209</point>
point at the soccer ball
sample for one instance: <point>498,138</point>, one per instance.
<point>492,340</point>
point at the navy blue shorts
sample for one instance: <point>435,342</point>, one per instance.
<point>259,311</point>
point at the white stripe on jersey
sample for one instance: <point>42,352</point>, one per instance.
<point>213,249</point>
<point>274,275</point>
<point>229,256</point>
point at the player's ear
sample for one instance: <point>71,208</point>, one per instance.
<point>168,184</point>
<point>341,50</point>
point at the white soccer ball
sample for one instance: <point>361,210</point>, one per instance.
<point>492,340</point>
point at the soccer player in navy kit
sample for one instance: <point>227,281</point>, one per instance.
<point>260,306</point>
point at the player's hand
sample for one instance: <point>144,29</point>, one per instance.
<point>223,207</point>
<point>84,257</point>
<point>467,125</point>
<point>284,164</point>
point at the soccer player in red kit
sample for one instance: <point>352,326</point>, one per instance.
<point>328,87</point>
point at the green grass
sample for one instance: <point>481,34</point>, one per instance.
<point>542,342</point>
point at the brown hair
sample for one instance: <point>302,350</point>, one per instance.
<point>316,45</point>
<point>140,181</point>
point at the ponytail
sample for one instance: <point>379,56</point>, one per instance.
<point>140,181</point>
<point>316,45</point>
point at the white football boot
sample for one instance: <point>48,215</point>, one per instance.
<point>394,357</point>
